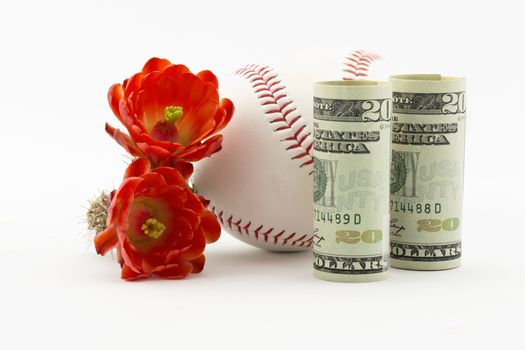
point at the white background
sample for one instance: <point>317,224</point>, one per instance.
<point>57,61</point>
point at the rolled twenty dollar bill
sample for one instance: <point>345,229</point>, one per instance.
<point>351,180</point>
<point>428,142</point>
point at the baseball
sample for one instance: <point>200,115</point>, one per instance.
<point>260,183</point>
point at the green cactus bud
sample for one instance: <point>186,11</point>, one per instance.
<point>97,213</point>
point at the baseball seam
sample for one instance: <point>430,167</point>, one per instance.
<point>357,63</point>
<point>281,111</point>
<point>268,234</point>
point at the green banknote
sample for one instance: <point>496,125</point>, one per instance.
<point>428,142</point>
<point>351,180</point>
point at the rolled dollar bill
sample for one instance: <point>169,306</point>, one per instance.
<point>351,180</point>
<point>428,142</point>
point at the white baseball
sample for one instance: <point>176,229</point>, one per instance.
<point>260,183</point>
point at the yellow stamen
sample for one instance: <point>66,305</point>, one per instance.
<point>153,228</point>
<point>173,113</point>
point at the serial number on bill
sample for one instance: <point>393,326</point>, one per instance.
<point>399,206</point>
<point>337,218</point>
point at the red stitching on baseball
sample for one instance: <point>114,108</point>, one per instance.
<point>287,238</point>
<point>299,239</point>
<point>267,84</point>
<point>276,237</point>
<point>267,233</point>
<point>308,242</point>
<point>238,226</point>
<point>247,227</point>
<point>357,64</point>
<point>256,232</point>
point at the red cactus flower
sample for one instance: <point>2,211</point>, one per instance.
<point>157,224</point>
<point>169,113</point>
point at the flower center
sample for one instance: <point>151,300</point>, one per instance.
<point>173,113</point>
<point>153,228</point>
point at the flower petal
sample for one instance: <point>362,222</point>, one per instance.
<point>124,140</point>
<point>146,108</point>
<point>119,256</point>
<point>115,95</point>
<point>154,153</point>
<point>131,257</point>
<point>106,240</point>
<point>138,167</point>
<point>209,77</point>
<point>176,271</point>
<point>171,176</point>
<point>210,225</point>
<point>183,167</point>
<point>120,197</point>
<point>205,149</point>
<point>129,274</point>
<point>150,183</point>
<point>155,64</point>
<point>222,116</point>
<point>176,69</point>
<point>141,137</point>
<point>194,126</point>
<point>132,84</point>
<point>120,206</point>
<point>128,116</point>
<point>198,264</point>
<point>196,248</point>
<point>229,108</point>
